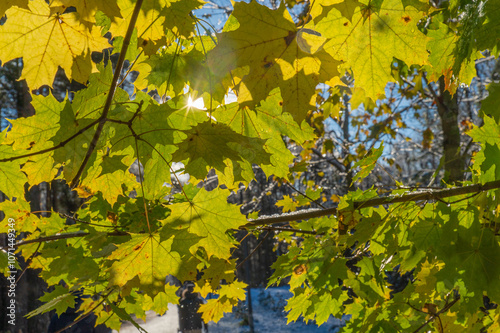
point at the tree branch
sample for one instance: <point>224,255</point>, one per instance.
<point>63,236</point>
<point>112,89</point>
<point>59,145</point>
<point>426,196</point>
<point>311,213</point>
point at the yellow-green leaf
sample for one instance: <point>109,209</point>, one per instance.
<point>46,41</point>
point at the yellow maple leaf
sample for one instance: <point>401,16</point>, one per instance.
<point>149,22</point>
<point>267,51</point>
<point>88,8</point>
<point>369,41</point>
<point>46,41</point>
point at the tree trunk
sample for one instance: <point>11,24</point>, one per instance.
<point>454,162</point>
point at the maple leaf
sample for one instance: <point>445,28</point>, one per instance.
<point>444,48</point>
<point>209,145</point>
<point>180,21</point>
<point>378,32</point>
<point>39,169</point>
<point>34,131</point>
<point>287,203</point>
<point>149,23</point>
<point>12,180</point>
<point>214,309</point>
<point>368,162</point>
<point>229,295</point>
<point>164,298</point>
<point>46,41</point>
<point>268,122</point>
<point>218,270</point>
<point>265,51</point>
<point>209,216</point>
<point>490,104</point>
<point>144,256</point>
<point>59,299</point>
<point>108,175</point>
<point>6,4</point>
<point>88,8</point>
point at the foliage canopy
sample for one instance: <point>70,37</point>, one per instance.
<point>132,232</point>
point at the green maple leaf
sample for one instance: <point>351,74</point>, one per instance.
<point>269,122</point>
<point>34,131</point>
<point>164,298</point>
<point>165,71</point>
<point>488,32</point>
<point>158,127</point>
<point>298,304</point>
<point>108,175</point>
<point>378,32</point>
<point>88,102</point>
<point>12,180</point>
<point>218,270</point>
<point>488,133</point>
<point>471,254</point>
<point>209,145</point>
<point>180,21</point>
<point>60,300</point>
<point>487,163</point>
<point>491,104</point>
<point>144,256</point>
<point>368,162</point>
<point>287,203</point>
<point>262,52</point>
<point>156,174</point>
<point>327,304</point>
<point>209,216</point>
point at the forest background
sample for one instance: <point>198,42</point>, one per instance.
<point>376,121</point>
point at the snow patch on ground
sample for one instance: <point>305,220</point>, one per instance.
<point>268,315</point>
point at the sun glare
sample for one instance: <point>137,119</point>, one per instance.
<point>199,104</point>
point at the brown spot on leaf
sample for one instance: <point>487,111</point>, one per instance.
<point>290,37</point>
<point>137,247</point>
<point>281,103</point>
<point>300,269</point>
<point>406,18</point>
<point>268,64</point>
<point>346,24</point>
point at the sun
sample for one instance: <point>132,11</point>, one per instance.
<point>198,103</point>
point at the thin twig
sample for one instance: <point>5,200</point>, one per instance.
<point>436,315</point>
<point>28,262</point>
<point>305,195</point>
<point>86,315</point>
